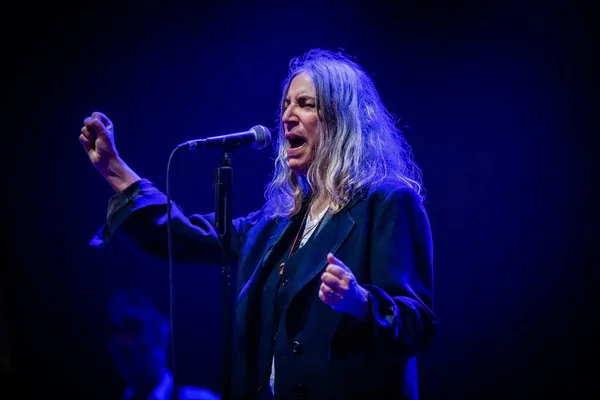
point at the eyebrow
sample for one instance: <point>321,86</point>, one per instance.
<point>302,96</point>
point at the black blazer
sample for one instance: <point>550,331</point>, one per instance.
<point>383,236</point>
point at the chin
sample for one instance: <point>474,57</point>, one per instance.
<point>297,168</point>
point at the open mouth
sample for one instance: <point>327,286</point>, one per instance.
<point>295,141</point>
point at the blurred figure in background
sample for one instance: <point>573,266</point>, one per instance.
<point>139,345</point>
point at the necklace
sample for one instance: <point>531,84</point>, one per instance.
<point>296,241</point>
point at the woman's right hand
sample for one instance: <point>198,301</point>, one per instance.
<point>98,140</point>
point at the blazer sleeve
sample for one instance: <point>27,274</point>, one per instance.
<point>402,321</point>
<point>141,211</point>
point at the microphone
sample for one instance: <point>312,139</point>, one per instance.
<point>257,137</point>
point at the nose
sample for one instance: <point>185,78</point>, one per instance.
<point>289,117</point>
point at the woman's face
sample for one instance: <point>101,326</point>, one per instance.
<point>300,122</point>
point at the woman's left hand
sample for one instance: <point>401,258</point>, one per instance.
<point>340,291</point>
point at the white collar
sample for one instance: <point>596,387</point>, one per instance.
<point>311,221</point>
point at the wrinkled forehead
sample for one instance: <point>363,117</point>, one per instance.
<point>301,84</point>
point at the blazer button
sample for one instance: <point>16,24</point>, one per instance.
<point>286,282</point>
<point>300,389</point>
<point>296,348</point>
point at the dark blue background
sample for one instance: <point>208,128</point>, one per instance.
<point>496,96</point>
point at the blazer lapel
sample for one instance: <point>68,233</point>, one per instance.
<point>283,228</point>
<point>328,240</point>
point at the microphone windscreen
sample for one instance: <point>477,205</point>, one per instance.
<point>263,137</point>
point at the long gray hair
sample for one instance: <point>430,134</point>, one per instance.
<point>359,144</point>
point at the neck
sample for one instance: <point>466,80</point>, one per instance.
<point>317,208</point>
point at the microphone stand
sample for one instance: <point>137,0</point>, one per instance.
<point>223,183</point>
